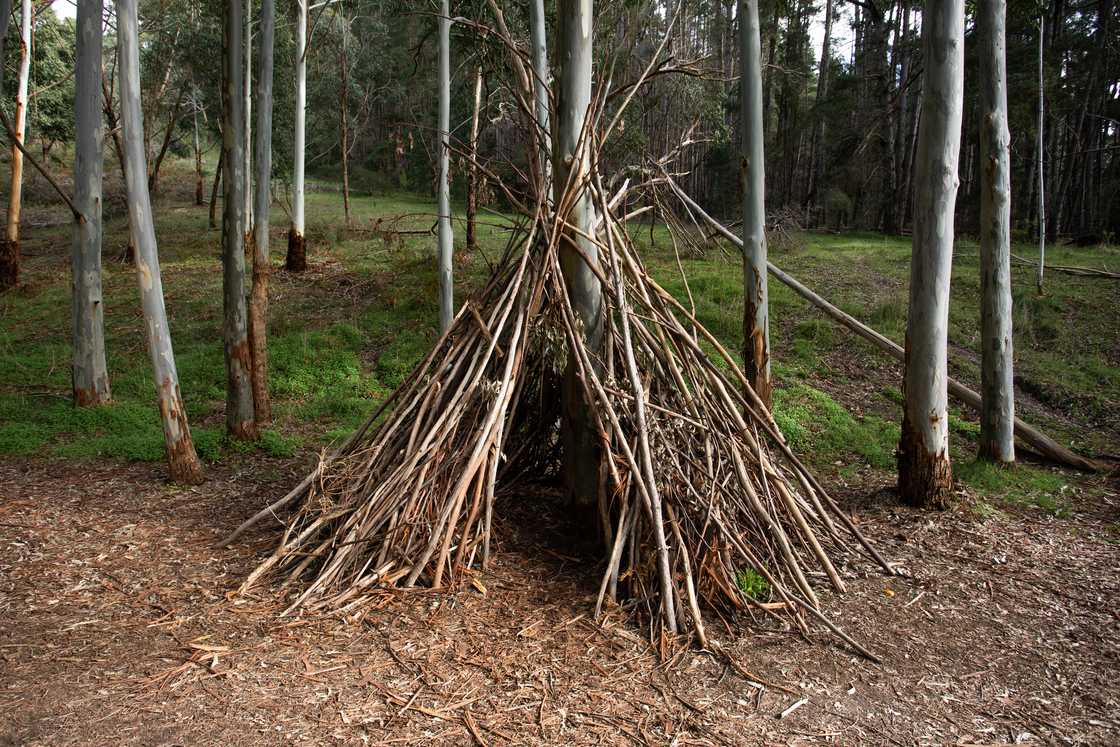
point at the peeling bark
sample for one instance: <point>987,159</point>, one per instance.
<point>240,417</point>
<point>924,476</point>
<point>296,261</point>
<point>182,460</point>
<point>262,264</point>
<point>756,316</point>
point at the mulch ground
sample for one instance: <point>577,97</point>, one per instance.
<point>119,625</point>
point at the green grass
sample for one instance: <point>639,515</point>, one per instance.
<point>1021,485</point>
<point>345,334</point>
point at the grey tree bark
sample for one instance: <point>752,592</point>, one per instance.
<point>240,417</point>
<point>9,248</point>
<point>472,168</point>
<point>248,118</point>
<point>445,238</point>
<point>997,416</point>
<point>90,381</point>
<point>296,260</point>
<point>262,264</point>
<point>571,162</point>
<point>816,160</point>
<point>756,315</point>
<point>539,42</point>
<point>924,473</point>
<point>1041,158</point>
<point>182,460</point>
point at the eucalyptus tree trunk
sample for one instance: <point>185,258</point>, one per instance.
<point>446,238</point>
<point>297,244</point>
<point>214,189</point>
<point>90,380</point>
<point>262,264</point>
<point>1041,158</point>
<point>925,477</point>
<point>539,41</point>
<point>472,169</point>
<point>182,460</point>
<point>575,34</point>
<point>247,194</point>
<point>240,420</point>
<point>344,117</point>
<point>756,316</point>
<point>997,414</point>
<point>129,256</point>
<point>9,248</point>
<point>816,158</point>
<point>199,189</point>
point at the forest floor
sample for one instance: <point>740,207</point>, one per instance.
<point>118,617</point>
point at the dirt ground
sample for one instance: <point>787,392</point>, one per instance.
<point>119,625</point>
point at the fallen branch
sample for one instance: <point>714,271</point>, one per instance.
<point>1037,440</point>
<point>1088,272</point>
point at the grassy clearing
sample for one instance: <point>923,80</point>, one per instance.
<point>346,333</point>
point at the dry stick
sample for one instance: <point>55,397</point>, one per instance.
<point>643,440</point>
<point>1043,444</point>
<point>300,489</point>
<point>1089,272</point>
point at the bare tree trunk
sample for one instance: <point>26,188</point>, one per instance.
<point>262,264</point>
<point>925,477</point>
<point>816,158</point>
<point>756,321</point>
<point>9,248</point>
<point>472,169</point>
<point>240,420</point>
<point>214,188</point>
<point>90,380</point>
<point>199,192</point>
<point>997,416</point>
<point>344,119</point>
<point>297,244</point>
<point>182,460</point>
<point>541,104</point>
<point>247,194</point>
<point>118,146</point>
<point>445,238</point>
<point>582,453</point>
<point>1041,163</point>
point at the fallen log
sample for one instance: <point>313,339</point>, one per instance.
<point>1037,440</point>
<point>1085,272</point>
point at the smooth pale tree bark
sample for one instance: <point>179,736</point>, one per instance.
<point>182,460</point>
<point>997,415</point>
<point>582,452</point>
<point>756,315</point>
<point>240,418</point>
<point>1041,168</point>
<point>90,380</point>
<point>445,236</point>
<point>296,260</point>
<point>472,169</point>
<point>924,474</point>
<point>262,264</point>
<point>9,248</point>
<point>541,104</point>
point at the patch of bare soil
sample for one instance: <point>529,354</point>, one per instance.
<point>118,625</point>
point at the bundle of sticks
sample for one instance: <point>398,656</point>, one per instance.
<point>700,488</point>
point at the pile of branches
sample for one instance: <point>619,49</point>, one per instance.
<point>700,487</point>
<point>698,491</point>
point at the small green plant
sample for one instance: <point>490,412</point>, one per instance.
<point>752,583</point>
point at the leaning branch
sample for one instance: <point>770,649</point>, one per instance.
<point>1039,441</point>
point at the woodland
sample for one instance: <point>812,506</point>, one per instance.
<point>684,372</point>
